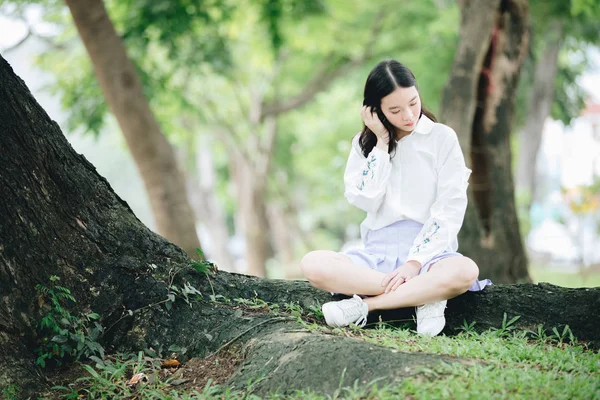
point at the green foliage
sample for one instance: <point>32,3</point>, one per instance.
<point>189,30</point>
<point>80,92</point>
<point>203,266</point>
<point>109,377</point>
<point>566,334</point>
<point>577,26</point>
<point>275,13</point>
<point>507,326</point>
<point>569,97</point>
<point>584,7</point>
<point>468,328</point>
<point>11,392</point>
<point>63,336</point>
<point>187,292</point>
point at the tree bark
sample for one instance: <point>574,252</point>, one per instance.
<point>59,217</point>
<point>478,103</point>
<point>538,110</point>
<point>154,156</point>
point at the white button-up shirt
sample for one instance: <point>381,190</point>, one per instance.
<point>425,181</point>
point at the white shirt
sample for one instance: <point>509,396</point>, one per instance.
<point>425,181</point>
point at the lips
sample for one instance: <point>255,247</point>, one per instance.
<point>411,124</point>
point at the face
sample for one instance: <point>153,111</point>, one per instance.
<point>402,108</point>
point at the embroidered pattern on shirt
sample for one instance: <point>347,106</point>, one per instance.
<point>431,233</point>
<point>368,173</point>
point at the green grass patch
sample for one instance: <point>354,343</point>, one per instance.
<point>513,365</point>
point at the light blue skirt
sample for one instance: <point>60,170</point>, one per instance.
<point>387,249</point>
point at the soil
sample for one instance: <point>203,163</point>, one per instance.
<point>192,375</point>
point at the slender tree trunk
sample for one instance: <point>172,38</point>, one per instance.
<point>287,234</point>
<point>478,102</point>
<point>250,169</point>
<point>282,237</point>
<point>154,157</point>
<point>204,198</point>
<point>250,189</point>
<point>538,110</point>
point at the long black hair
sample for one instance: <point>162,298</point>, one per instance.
<point>386,77</point>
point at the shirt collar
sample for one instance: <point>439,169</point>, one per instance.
<point>425,125</point>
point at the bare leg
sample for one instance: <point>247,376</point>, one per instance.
<point>335,272</point>
<point>445,279</point>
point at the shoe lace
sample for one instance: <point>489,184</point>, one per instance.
<point>353,310</point>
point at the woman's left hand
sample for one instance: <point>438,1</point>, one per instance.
<point>402,274</point>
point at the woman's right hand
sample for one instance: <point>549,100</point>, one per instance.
<point>372,121</point>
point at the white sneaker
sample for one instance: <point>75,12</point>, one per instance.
<point>430,318</point>
<point>345,312</point>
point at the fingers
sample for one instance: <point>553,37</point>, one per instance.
<point>403,274</point>
<point>395,283</point>
<point>398,283</point>
<point>372,121</point>
<point>369,113</point>
<point>366,113</point>
<point>388,278</point>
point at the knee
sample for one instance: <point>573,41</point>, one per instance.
<point>312,266</point>
<point>469,272</point>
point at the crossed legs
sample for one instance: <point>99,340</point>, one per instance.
<point>335,272</point>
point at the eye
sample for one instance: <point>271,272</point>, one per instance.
<point>395,112</point>
<point>414,104</point>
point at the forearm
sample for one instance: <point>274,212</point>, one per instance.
<point>366,179</point>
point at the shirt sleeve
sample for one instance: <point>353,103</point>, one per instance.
<point>365,178</point>
<point>448,210</point>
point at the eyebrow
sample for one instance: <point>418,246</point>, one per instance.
<point>394,107</point>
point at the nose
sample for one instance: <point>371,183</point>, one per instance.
<point>408,115</point>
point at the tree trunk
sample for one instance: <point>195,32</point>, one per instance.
<point>250,168</point>
<point>206,205</point>
<point>59,217</point>
<point>478,102</point>
<point>250,190</point>
<point>538,110</point>
<point>154,157</point>
<point>282,237</point>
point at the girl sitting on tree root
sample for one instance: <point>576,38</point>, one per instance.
<point>408,173</point>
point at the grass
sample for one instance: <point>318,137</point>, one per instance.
<point>556,277</point>
<point>515,365</point>
<point>508,364</point>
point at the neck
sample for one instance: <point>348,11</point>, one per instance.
<point>400,133</point>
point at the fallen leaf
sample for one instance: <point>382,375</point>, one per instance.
<point>171,364</point>
<point>137,378</point>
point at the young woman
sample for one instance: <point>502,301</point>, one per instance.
<point>409,174</point>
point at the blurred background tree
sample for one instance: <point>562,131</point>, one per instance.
<point>561,32</point>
